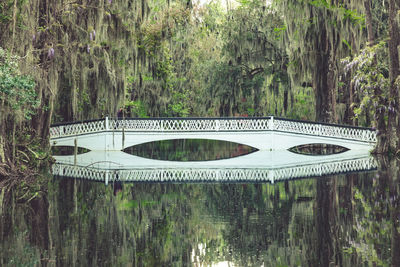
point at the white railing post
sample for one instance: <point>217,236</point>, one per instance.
<point>272,176</point>
<point>217,125</point>
<point>271,123</point>
<point>105,136</point>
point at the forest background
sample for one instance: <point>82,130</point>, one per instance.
<point>66,60</point>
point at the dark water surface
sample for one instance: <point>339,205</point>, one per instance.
<point>344,220</point>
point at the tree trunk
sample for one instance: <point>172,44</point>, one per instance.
<point>394,72</point>
<point>2,151</point>
<point>285,101</point>
<point>14,24</point>
<point>348,99</point>
<point>324,82</point>
<point>368,22</point>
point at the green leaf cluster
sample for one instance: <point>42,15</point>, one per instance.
<point>369,72</point>
<point>17,91</point>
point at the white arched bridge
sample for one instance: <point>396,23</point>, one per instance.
<point>106,138</point>
<point>266,133</point>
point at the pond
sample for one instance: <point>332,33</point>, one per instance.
<point>349,219</point>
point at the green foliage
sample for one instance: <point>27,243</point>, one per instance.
<point>17,92</point>
<point>370,71</point>
<point>83,100</point>
<point>179,106</point>
<point>303,106</point>
<point>137,108</point>
<point>279,31</point>
<point>347,44</point>
<point>5,11</point>
<point>164,24</point>
<point>251,52</point>
<point>320,3</point>
<point>353,15</point>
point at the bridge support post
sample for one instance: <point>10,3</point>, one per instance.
<point>123,136</point>
<point>272,178</point>
<point>271,128</point>
<point>75,150</point>
<point>106,123</point>
<point>106,127</point>
<point>271,123</point>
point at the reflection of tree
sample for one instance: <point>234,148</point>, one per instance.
<point>326,223</point>
<point>147,224</point>
<point>24,240</point>
<point>346,220</point>
<point>259,217</point>
<point>376,237</point>
<point>189,150</point>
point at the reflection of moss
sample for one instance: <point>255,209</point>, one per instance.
<point>128,205</point>
<point>163,224</point>
<point>25,255</point>
<point>67,150</point>
<point>318,149</point>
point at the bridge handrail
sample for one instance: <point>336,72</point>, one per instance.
<point>214,175</point>
<point>70,129</point>
<point>208,118</point>
<point>215,124</point>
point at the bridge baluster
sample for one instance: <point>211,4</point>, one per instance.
<point>271,123</point>
<point>106,123</point>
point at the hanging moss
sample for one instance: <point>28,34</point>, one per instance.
<point>320,34</point>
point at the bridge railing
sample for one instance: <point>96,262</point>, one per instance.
<point>215,125</point>
<point>192,124</point>
<point>77,128</point>
<point>326,130</point>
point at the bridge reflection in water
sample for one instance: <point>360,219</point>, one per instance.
<point>184,172</point>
